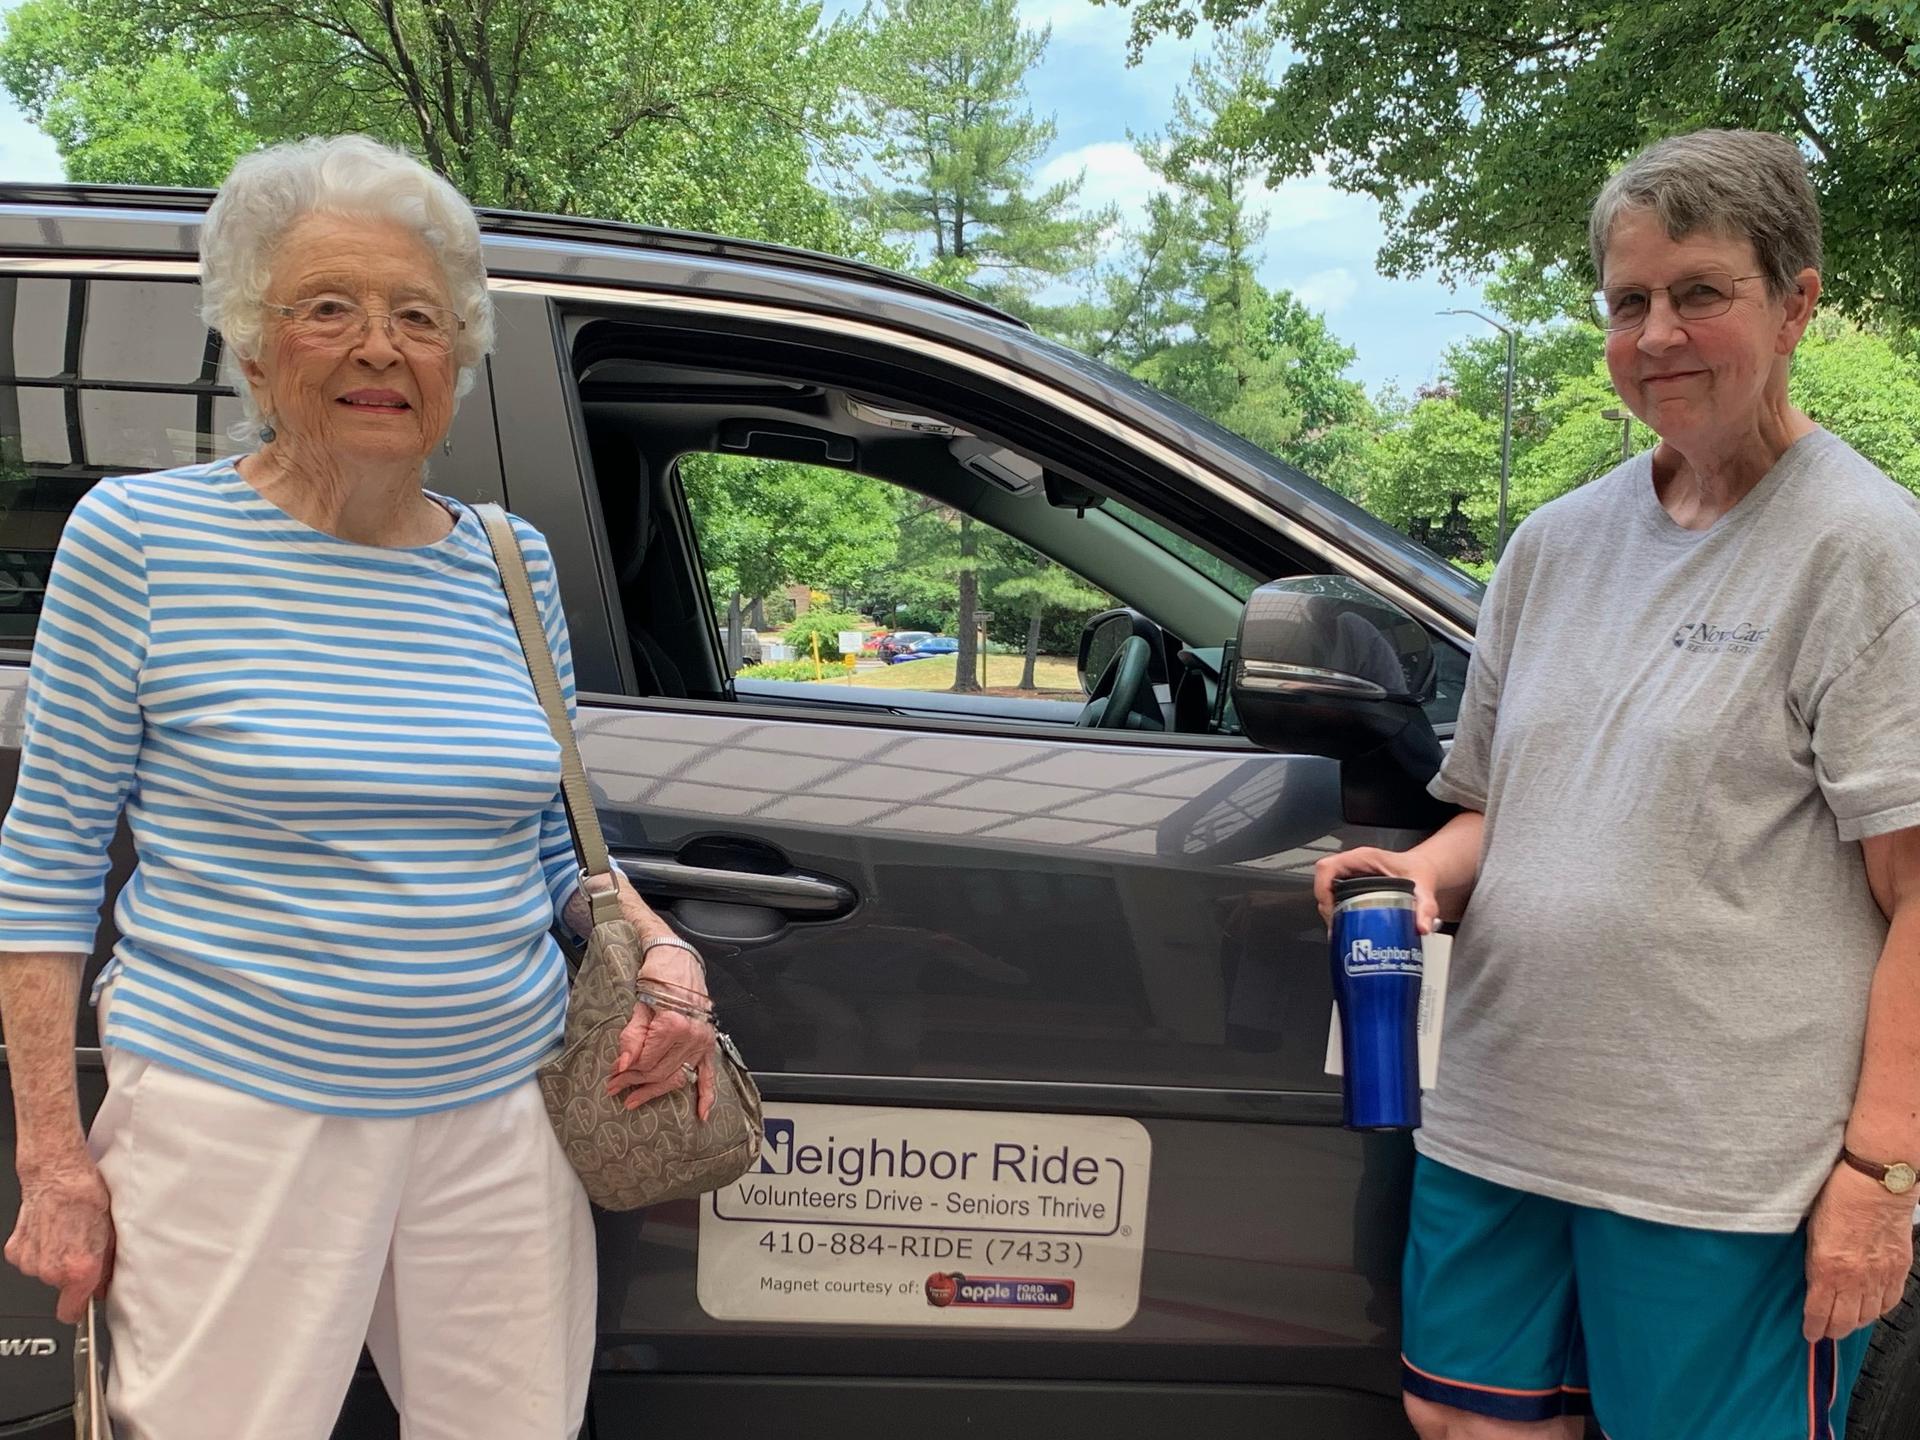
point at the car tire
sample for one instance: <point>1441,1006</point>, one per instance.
<point>1886,1401</point>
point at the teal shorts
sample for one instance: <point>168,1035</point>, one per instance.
<point>1524,1308</point>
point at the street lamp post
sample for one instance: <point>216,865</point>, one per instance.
<point>1625,417</point>
<point>1506,423</point>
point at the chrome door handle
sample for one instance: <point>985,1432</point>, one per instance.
<point>795,894</point>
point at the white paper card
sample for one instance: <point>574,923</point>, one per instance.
<point>1436,957</point>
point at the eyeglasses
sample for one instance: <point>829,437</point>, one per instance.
<point>335,320</point>
<point>1698,297</point>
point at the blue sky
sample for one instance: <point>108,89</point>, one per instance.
<point>1320,242</point>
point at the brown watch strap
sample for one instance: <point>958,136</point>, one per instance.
<point>1865,1167</point>
<point>1899,1170</point>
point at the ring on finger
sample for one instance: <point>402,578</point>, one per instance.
<point>692,1072</point>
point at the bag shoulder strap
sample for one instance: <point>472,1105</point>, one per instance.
<point>589,844</point>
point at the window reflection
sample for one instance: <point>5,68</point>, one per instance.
<point>97,378</point>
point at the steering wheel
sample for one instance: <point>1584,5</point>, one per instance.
<point>1117,692</point>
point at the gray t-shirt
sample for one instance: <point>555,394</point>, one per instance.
<point>1659,991</point>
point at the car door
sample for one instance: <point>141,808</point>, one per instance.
<point>972,925</point>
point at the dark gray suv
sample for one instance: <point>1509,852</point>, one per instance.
<point>1035,987</point>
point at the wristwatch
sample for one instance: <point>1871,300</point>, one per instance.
<point>1897,1177</point>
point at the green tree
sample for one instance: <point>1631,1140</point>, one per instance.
<point>766,524</point>
<point>1335,440</point>
<point>1486,131</point>
<point>1435,475</point>
<point>936,567</point>
<point>121,104</point>
<point>1570,440</point>
<point>706,114</point>
<point>1866,391</point>
<point>1230,362</point>
<point>945,88</point>
<point>1039,588</point>
<point>1141,292</point>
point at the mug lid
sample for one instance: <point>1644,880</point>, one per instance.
<point>1354,885</point>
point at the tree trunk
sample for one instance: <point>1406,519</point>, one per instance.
<point>1033,649</point>
<point>966,672</point>
<point>757,614</point>
<point>734,642</point>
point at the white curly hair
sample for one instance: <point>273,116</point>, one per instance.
<point>270,190</point>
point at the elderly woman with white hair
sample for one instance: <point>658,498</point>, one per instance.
<point>296,675</point>
<point>1668,1172</point>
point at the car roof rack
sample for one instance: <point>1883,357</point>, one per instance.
<point>544,227</point>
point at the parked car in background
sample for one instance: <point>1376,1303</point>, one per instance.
<point>1035,989</point>
<point>751,652</point>
<point>926,649</point>
<point>900,641</point>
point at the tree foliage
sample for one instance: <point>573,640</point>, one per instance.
<point>1866,391</point>
<point>1485,131</point>
<point>767,524</point>
<point>707,114</point>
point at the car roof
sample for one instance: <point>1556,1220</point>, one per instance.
<point>573,229</point>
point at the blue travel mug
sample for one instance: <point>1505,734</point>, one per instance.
<point>1376,982</point>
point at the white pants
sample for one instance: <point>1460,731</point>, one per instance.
<point>259,1245</point>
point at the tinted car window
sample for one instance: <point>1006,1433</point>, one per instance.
<point>97,377</point>
<point>898,589</point>
<point>1450,679</point>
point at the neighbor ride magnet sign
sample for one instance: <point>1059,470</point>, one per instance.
<point>862,1216</point>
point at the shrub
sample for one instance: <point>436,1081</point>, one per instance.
<point>788,670</point>
<point>827,624</point>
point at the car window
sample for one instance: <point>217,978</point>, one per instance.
<point>1450,680</point>
<point>1224,573</point>
<point>853,580</point>
<point>101,377</point>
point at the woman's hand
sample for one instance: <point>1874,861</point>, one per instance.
<point>64,1233</point>
<point>659,1047</point>
<point>1407,864</point>
<point>1859,1249</point>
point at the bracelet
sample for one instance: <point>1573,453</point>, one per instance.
<point>687,994</point>
<point>673,942</point>
<point>654,1001</point>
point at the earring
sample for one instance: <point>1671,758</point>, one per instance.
<point>267,434</point>
<point>446,446</point>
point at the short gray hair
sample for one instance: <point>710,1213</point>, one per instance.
<point>270,190</point>
<point>1743,184</point>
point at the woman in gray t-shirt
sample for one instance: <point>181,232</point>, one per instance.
<point>1666,1173</point>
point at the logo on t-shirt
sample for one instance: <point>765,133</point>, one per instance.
<point>1704,637</point>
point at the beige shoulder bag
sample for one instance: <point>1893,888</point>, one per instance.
<point>661,1151</point>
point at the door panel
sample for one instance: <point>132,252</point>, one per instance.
<point>1042,923</point>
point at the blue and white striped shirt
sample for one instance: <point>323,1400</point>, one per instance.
<point>342,791</point>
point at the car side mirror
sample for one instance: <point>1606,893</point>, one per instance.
<point>1323,666</point>
<point>1325,636</point>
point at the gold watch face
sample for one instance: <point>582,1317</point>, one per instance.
<point>1899,1178</point>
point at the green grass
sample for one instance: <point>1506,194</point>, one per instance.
<point>1050,672</point>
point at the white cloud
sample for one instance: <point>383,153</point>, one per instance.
<point>1114,174</point>
<point>1329,291</point>
<point>1310,200</point>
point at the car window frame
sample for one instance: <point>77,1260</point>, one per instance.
<point>599,300</point>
